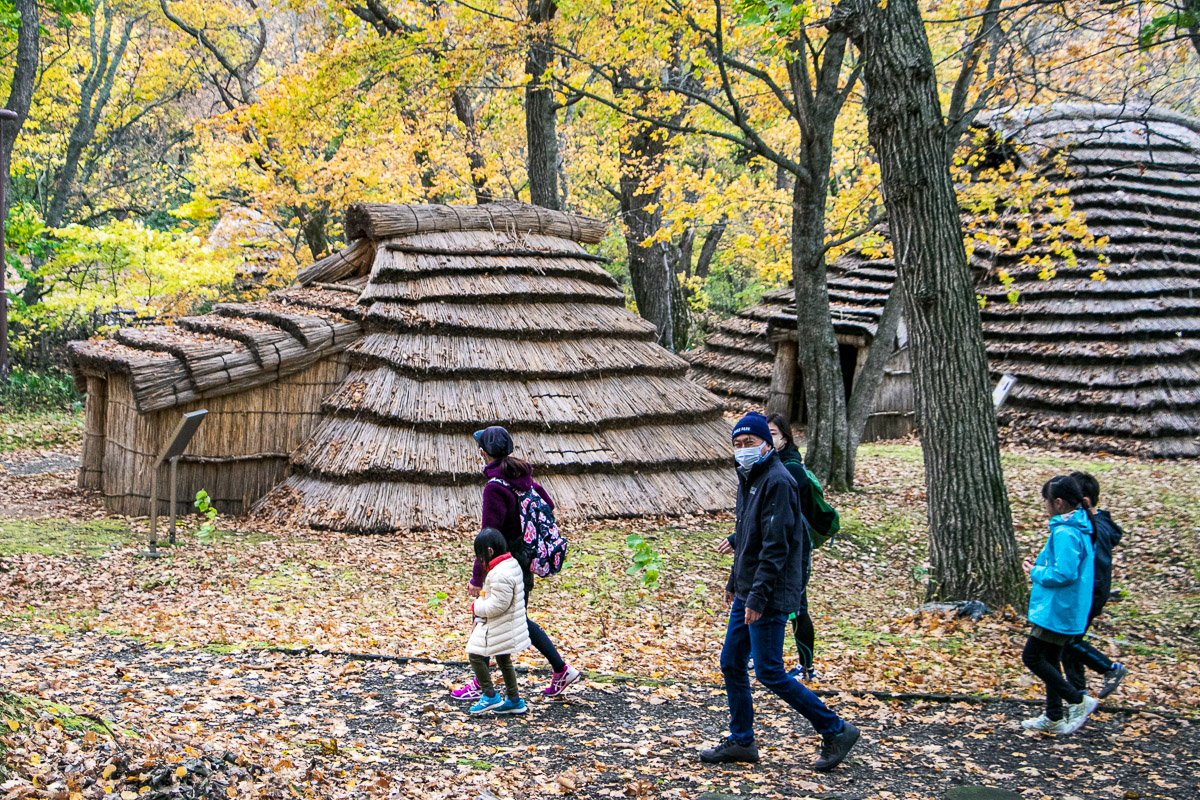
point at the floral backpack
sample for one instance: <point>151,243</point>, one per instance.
<point>545,547</point>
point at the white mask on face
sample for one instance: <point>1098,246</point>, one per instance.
<point>747,457</point>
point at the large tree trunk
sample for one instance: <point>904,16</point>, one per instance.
<point>541,139</point>
<point>20,94</point>
<point>973,552</point>
<point>652,267</point>
<point>824,391</point>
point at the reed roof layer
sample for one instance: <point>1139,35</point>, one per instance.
<point>1107,351</point>
<point>497,315</point>
<point>237,346</point>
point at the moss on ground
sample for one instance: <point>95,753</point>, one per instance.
<point>54,537</point>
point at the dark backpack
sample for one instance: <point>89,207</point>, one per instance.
<point>827,523</point>
<point>545,549</point>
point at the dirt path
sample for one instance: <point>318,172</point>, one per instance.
<point>348,728</point>
<point>36,462</point>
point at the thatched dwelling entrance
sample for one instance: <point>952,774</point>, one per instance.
<point>751,358</point>
<point>1106,363</point>
<point>447,319</point>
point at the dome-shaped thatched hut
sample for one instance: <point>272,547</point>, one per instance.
<point>1103,362</point>
<point>454,318</point>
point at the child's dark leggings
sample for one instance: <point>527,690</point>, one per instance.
<point>806,639</point>
<point>483,675</point>
<point>1079,654</point>
<point>1043,659</point>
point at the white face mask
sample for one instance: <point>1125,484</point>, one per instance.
<point>747,457</point>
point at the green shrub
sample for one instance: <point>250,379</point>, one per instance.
<point>27,392</point>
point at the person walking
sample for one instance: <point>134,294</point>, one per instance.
<point>508,479</point>
<point>1058,605</point>
<point>765,585</point>
<point>1079,654</point>
<point>500,630</point>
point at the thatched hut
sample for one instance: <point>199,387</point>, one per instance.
<point>748,358</point>
<point>1106,352</point>
<point>454,318</point>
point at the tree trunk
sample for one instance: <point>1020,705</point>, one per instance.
<point>709,248</point>
<point>20,94</point>
<point>973,552</point>
<point>465,111</point>
<point>652,267</point>
<point>94,94</point>
<point>541,139</point>
<point>866,384</point>
<point>828,453</point>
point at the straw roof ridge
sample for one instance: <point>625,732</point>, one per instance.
<point>558,402</point>
<point>1169,348</point>
<point>351,261</point>
<point>1088,373</point>
<point>377,221</point>
<point>436,353</point>
<point>540,321</point>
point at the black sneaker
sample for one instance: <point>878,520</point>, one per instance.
<point>1112,679</point>
<point>728,751</point>
<point>835,747</point>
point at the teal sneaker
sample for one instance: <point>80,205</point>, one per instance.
<point>512,706</point>
<point>487,705</point>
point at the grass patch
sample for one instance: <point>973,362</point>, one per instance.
<point>52,537</point>
<point>42,430</point>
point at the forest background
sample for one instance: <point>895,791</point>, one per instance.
<point>143,125</point>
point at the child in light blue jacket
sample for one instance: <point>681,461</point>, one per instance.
<point>1059,603</point>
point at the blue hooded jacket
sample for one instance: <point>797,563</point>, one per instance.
<point>1063,576</point>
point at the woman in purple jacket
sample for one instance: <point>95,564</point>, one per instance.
<point>507,478</point>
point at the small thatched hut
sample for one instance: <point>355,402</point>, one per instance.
<point>1103,362</point>
<point>447,319</point>
<point>740,358</point>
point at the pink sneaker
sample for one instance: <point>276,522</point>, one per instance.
<point>468,691</point>
<point>559,681</point>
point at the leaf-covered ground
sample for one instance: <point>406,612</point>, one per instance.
<point>74,590</point>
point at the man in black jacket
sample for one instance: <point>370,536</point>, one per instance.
<point>765,585</point>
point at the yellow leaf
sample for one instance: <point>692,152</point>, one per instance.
<point>12,724</point>
<point>180,772</point>
<point>108,771</point>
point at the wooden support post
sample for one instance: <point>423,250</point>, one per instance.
<point>174,471</point>
<point>153,511</point>
<point>783,379</point>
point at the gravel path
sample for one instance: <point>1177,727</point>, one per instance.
<point>375,718</point>
<point>25,463</point>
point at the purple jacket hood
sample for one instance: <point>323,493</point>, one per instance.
<point>522,484</point>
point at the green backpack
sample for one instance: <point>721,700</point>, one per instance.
<point>827,523</point>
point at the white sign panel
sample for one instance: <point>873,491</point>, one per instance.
<point>1002,390</point>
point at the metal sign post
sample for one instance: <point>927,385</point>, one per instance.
<point>6,117</point>
<point>176,444</point>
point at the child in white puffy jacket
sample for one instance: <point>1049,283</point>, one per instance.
<point>500,627</point>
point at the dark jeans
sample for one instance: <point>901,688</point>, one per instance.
<point>806,639</point>
<point>1043,659</point>
<point>483,675</point>
<point>764,641</point>
<point>1079,654</point>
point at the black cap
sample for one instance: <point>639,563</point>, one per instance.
<point>495,441</point>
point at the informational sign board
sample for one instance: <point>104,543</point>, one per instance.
<point>181,436</point>
<point>1002,389</point>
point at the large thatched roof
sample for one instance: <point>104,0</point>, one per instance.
<point>496,314</point>
<point>1110,364</point>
